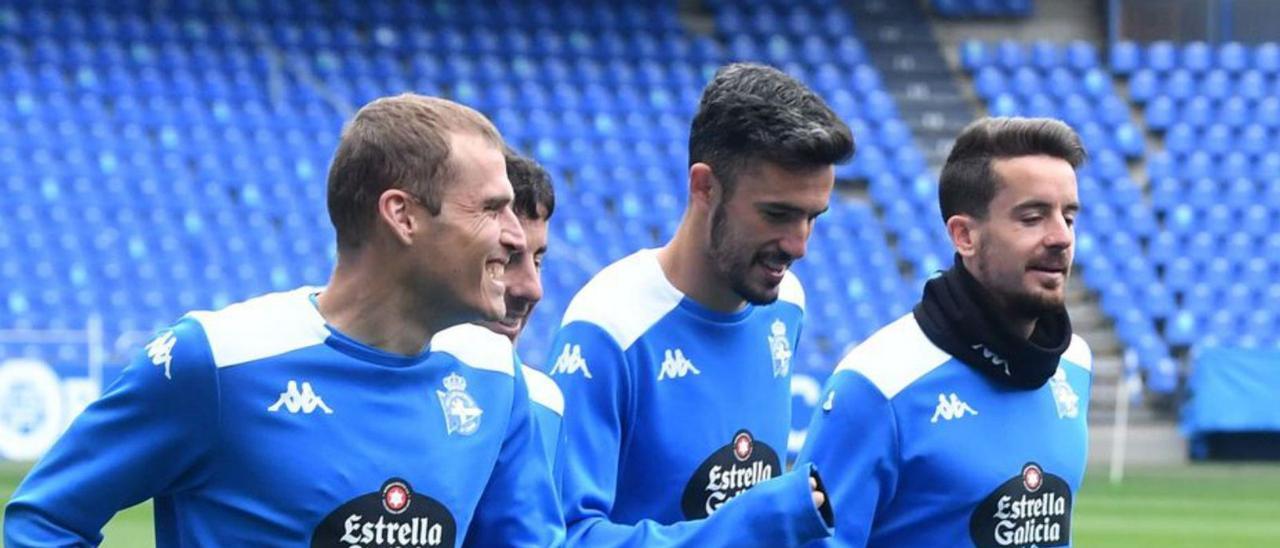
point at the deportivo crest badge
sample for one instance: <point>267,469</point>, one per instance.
<point>1064,397</point>
<point>461,414</point>
<point>780,349</point>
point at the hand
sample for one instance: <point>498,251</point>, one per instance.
<point>818,496</point>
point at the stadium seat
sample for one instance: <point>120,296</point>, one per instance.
<point>1124,57</point>
<point>1232,56</point>
<point>1161,56</point>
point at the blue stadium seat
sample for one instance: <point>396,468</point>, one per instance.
<point>1182,329</point>
<point>1251,84</point>
<point>1216,84</point>
<point>1234,164</point>
<point>1081,55</point>
<point>1010,54</point>
<point>1217,139</point>
<point>1267,112</point>
<point>1124,57</point>
<point>1255,272</point>
<point>1257,219</point>
<point>974,55</point>
<point>1179,84</point>
<point>1234,111</point>
<point>1232,56</point>
<point>1045,55</point>
<point>1266,58</point>
<point>1196,56</point>
<point>1097,83</point>
<point>1144,84</point>
<point>1161,56</point>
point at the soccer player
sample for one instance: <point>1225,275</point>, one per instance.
<point>963,422</point>
<point>676,362</point>
<point>336,415</point>
<point>535,201</point>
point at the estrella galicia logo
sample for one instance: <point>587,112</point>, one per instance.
<point>728,472</point>
<point>1031,509</point>
<point>391,517</point>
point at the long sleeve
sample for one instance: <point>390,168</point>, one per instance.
<point>592,372</point>
<point>147,436</point>
<point>519,506</point>
<point>853,443</point>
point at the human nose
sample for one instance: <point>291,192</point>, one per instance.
<point>795,242</point>
<point>512,235</point>
<point>1060,234</point>
<point>524,283</point>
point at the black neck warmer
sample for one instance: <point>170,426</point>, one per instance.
<point>959,316</point>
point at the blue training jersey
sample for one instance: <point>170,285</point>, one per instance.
<point>918,449</point>
<point>260,425</point>
<point>547,410</point>
<point>673,411</point>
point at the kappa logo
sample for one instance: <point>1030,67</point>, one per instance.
<point>300,401</point>
<point>993,358</point>
<point>780,349</point>
<point>160,351</point>
<point>950,409</point>
<point>675,365</point>
<point>461,414</point>
<point>1064,398</point>
<point>570,362</point>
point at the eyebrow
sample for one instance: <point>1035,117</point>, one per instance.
<point>791,208</point>
<point>497,202</point>
<point>1043,205</point>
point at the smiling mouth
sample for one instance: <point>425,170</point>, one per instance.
<point>774,265</point>
<point>496,269</point>
<point>1048,269</point>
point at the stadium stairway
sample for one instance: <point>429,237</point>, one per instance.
<point>901,43</point>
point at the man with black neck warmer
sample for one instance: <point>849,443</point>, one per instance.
<point>963,422</point>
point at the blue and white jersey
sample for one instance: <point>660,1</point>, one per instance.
<point>260,425</point>
<point>918,449</point>
<point>547,409</point>
<point>673,411</point>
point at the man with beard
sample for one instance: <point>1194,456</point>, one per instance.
<point>675,362</point>
<point>963,423</point>
<point>344,415</point>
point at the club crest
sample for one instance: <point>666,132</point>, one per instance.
<point>780,349</point>
<point>461,414</point>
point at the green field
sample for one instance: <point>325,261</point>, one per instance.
<point>1205,505</point>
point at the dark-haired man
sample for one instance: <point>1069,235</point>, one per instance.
<point>342,415</point>
<point>535,201</point>
<point>675,362</point>
<point>963,423</point>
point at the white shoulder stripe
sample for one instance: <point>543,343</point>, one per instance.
<point>1079,353</point>
<point>626,298</point>
<point>262,327</point>
<point>476,347</point>
<point>542,390</point>
<point>791,290</point>
<point>895,356</point>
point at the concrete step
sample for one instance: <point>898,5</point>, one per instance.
<point>880,33</point>
<point>897,60</point>
<point>1157,443</point>
<point>924,97</point>
<point>1107,366</point>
